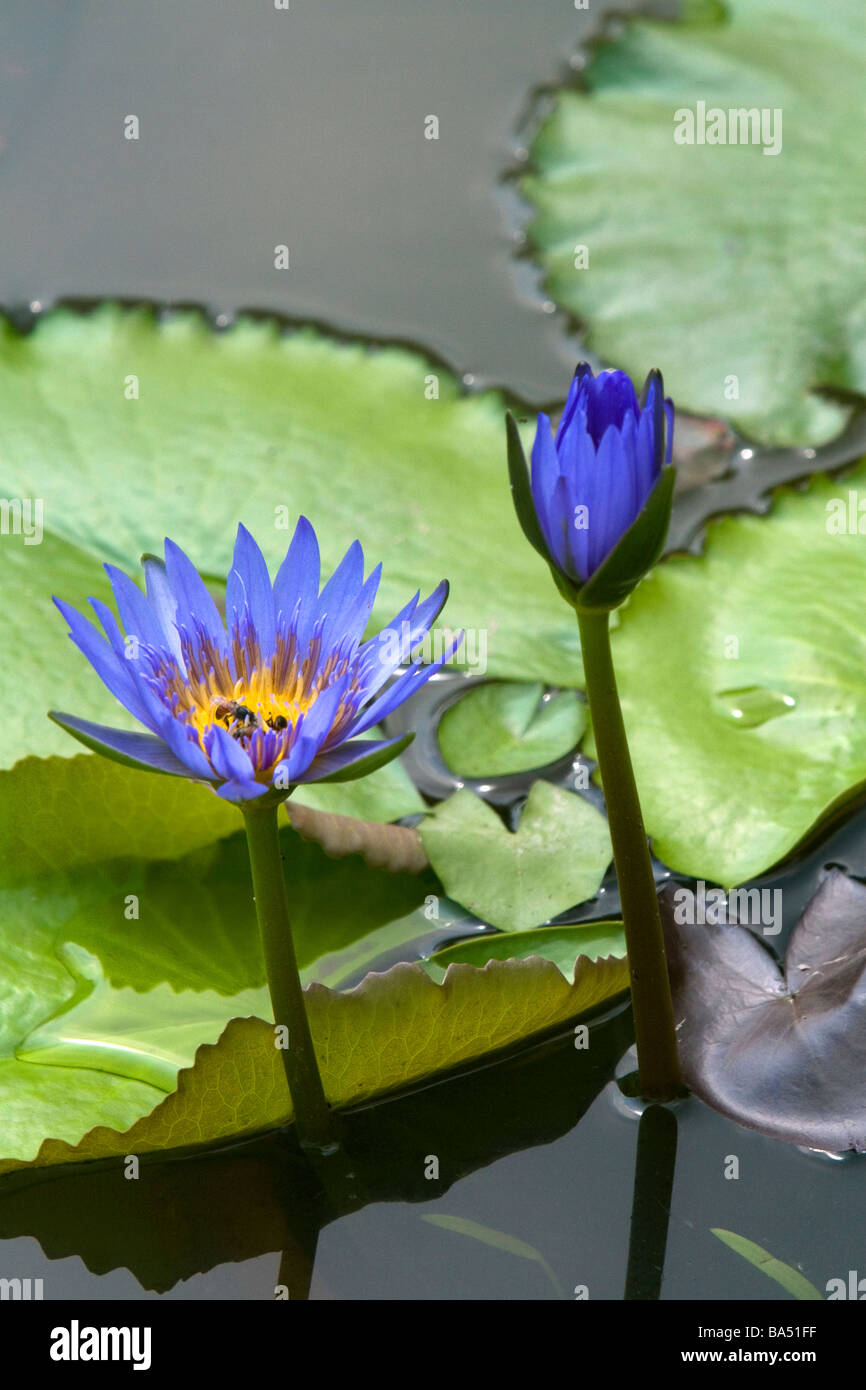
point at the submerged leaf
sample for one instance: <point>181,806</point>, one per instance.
<point>791,1279</point>
<point>784,1053</point>
<point>498,1240</point>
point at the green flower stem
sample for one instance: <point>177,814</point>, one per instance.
<point>658,1062</point>
<point>313,1116</point>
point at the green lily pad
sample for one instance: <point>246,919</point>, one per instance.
<point>257,426</point>
<point>557,857</point>
<point>500,727</point>
<point>384,795</point>
<point>128,937</point>
<point>392,1030</point>
<point>743,681</point>
<point>700,258</point>
<point>561,945</point>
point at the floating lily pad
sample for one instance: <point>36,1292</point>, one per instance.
<point>499,728</point>
<point>128,937</point>
<point>394,1029</point>
<point>556,858</point>
<point>783,1052</point>
<point>743,681</point>
<point>125,430</point>
<point>700,258</point>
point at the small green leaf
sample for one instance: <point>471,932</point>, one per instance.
<point>500,728</point>
<point>561,945</point>
<point>556,859</point>
<point>791,1279</point>
<point>499,1240</point>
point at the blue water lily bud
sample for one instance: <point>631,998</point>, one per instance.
<point>597,501</point>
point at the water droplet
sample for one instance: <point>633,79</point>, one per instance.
<point>753,705</point>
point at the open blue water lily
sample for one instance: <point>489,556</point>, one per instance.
<point>278,694</point>
<point>596,503</point>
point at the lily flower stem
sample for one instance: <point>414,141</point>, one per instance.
<point>658,1063</point>
<point>316,1123</point>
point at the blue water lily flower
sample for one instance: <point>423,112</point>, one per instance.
<point>591,482</point>
<point>277,695</point>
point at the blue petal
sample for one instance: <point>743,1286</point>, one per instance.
<point>403,688</point>
<point>613,398</point>
<point>613,498</point>
<point>646,471</point>
<point>341,593</point>
<point>296,586</point>
<point>112,670</point>
<point>652,401</point>
<point>555,525</point>
<point>248,591</point>
<point>379,658</point>
<point>195,607</point>
<point>582,384</point>
<point>164,605</point>
<point>326,764</point>
<point>136,614</point>
<point>237,790</point>
<point>545,467</point>
<point>184,743</point>
<point>143,750</point>
<point>109,627</point>
<point>359,615</point>
<point>669,432</point>
<point>227,756</point>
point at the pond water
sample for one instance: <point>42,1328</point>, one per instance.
<point>306,128</point>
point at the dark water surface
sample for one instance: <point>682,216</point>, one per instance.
<point>305,127</point>
<point>302,128</point>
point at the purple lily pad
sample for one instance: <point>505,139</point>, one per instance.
<point>783,1052</point>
